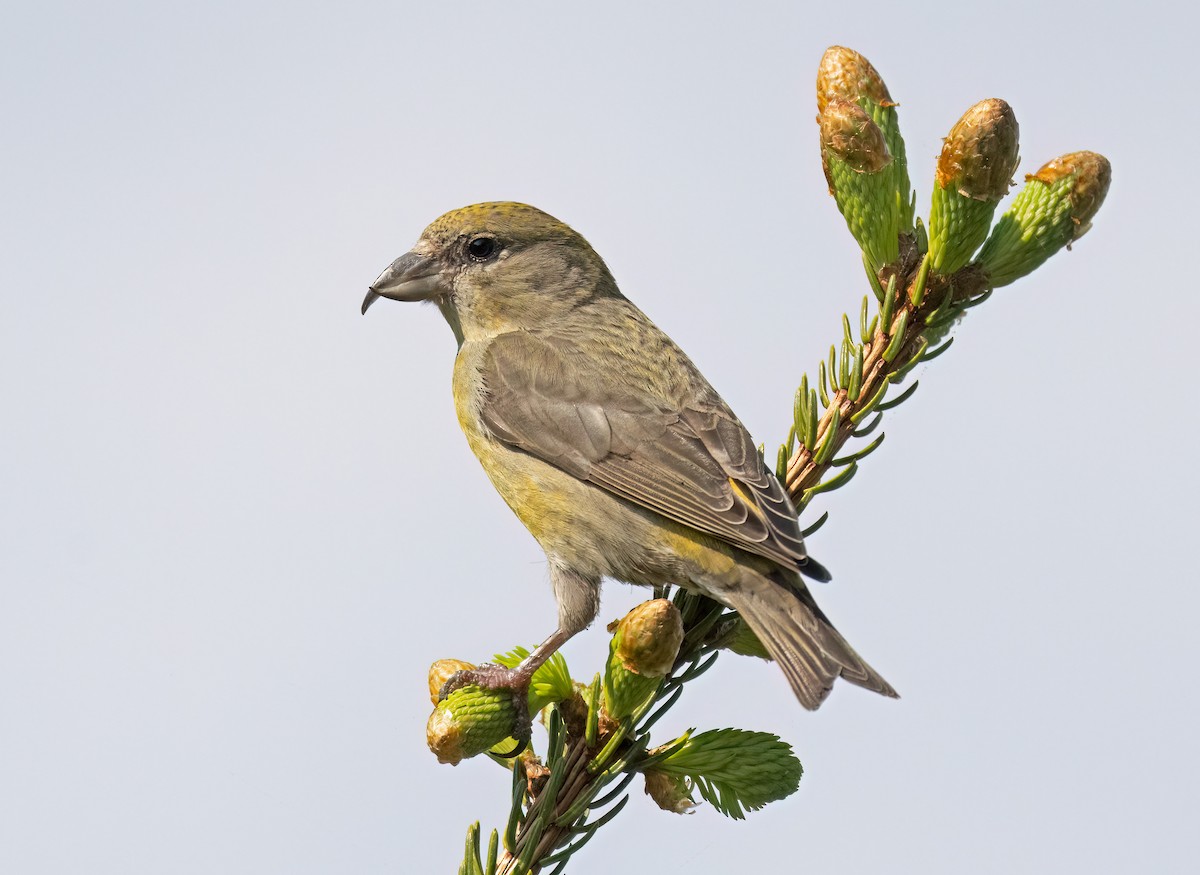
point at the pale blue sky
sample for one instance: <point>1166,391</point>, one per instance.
<point>239,518</point>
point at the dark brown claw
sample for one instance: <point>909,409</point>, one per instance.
<point>516,751</point>
<point>497,677</point>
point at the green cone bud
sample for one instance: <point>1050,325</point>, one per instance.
<point>644,645</point>
<point>440,672</point>
<point>625,691</point>
<point>1054,209</point>
<point>468,722</point>
<point>844,74</point>
<point>670,792</point>
<point>734,769</point>
<point>856,161</point>
<point>974,173</point>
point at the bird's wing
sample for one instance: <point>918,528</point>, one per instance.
<point>694,464</point>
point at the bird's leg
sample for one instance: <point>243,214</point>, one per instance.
<point>578,603</point>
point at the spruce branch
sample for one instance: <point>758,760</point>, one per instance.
<point>935,276</point>
<point>598,742</point>
<point>922,282</point>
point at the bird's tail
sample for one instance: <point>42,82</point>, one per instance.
<point>801,639</point>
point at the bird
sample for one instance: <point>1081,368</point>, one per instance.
<point>609,444</point>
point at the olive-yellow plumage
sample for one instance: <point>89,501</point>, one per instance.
<point>608,443</point>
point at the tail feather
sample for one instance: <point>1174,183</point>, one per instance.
<point>801,640</point>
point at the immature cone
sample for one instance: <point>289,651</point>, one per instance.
<point>644,645</point>
<point>844,74</point>
<point>855,158</point>
<point>468,722</point>
<point>974,172</point>
<point>1054,209</point>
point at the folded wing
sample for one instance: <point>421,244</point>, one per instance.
<point>693,462</point>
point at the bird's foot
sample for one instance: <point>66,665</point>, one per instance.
<point>497,677</point>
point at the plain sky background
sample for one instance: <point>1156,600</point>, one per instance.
<point>239,520</point>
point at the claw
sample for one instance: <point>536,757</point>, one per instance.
<point>522,743</point>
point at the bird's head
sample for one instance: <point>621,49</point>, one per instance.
<point>496,267</point>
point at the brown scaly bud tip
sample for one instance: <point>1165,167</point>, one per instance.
<point>979,156</point>
<point>1093,175</point>
<point>848,133</point>
<point>669,792</point>
<point>440,672</point>
<point>648,638</point>
<point>845,74</point>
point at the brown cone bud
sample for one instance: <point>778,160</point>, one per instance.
<point>979,156</point>
<point>847,75</point>
<point>648,638</point>
<point>1093,175</point>
<point>850,134</point>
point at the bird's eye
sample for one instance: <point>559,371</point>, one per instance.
<point>482,248</point>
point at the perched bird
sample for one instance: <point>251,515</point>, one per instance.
<point>608,443</point>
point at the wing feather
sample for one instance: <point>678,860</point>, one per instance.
<point>696,465</point>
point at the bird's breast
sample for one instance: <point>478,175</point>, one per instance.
<point>547,500</point>
<point>468,389</point>
<point>505,467</point>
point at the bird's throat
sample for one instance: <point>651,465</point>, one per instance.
<point>451,316</point>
